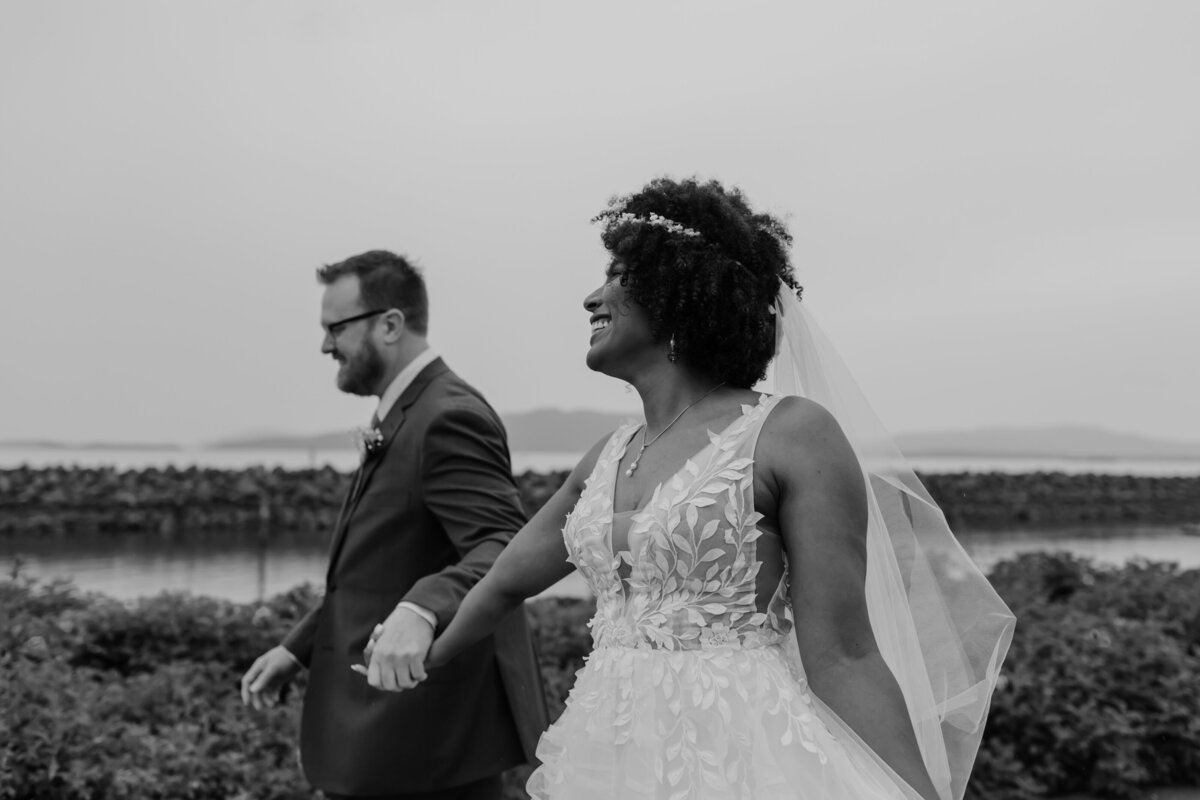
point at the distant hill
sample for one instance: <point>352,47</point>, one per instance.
<point>1062,441</point>
<point>336,440</point>
<point>554,431</point>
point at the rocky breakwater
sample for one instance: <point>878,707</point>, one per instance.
<point>1055,498</point>
<point>59,501</point>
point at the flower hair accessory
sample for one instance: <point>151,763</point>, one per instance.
<point>655,221</point>
<point>368,442</point>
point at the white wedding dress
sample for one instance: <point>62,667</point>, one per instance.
<point>695,688</point>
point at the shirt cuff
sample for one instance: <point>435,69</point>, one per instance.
<point>423,613</point>
<point>292,656</point>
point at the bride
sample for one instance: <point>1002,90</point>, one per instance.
<point>781,611</point>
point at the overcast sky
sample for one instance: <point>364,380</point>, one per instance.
<point>996,205</point>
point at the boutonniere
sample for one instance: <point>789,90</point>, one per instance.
<point>369,442</point>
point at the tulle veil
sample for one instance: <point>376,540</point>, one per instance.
<point>939,624</point>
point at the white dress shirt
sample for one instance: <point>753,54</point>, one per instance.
<point>402,381</point>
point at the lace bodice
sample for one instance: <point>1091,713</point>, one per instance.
<point>690,577</point>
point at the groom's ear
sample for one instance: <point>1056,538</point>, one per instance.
<point>393,325</point>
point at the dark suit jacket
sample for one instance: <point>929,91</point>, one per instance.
<point>425,518</point>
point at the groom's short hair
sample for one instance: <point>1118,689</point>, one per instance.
<point>385,280</point>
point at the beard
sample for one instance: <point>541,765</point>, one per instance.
<point>362,372</point>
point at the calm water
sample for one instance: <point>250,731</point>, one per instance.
<point>242,567</point>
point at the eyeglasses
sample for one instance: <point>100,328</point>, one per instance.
<point>335,328</point>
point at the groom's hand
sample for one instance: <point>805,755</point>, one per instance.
<point>396,657</point>
<point>267,676</point>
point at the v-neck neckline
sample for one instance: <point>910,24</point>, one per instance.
<point>615,466</point>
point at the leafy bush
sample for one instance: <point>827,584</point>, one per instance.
<point>563,641</point>
<point>102,699</point>
<point>1099,693</point>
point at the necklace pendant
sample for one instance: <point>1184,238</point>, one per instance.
<point>633,467</point>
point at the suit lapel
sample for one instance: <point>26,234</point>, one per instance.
<point>388,427</point>
<point>343,517</point>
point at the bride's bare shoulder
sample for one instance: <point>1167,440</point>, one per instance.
<point>796,416</point>
<point>802,434</point>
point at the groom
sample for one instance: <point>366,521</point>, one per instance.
<point>431,507</point>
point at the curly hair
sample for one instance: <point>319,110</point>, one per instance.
<point>706,268</point>
<point>386,280</point>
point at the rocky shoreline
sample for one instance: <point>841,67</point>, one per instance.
<point>60,500</point>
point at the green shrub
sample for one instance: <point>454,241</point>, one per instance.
<point>1099,693</point>
<point>563,641</point>
<point>101,699</point>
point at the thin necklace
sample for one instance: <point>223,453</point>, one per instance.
<point>633,467</point>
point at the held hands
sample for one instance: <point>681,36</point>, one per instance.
<point>395,654</point>
<point>267,676</point>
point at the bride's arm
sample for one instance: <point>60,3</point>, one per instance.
<point>533,561</point>
<point>823,518</point>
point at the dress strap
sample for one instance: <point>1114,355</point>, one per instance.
<point>755,418</point>
<point>612,451</point>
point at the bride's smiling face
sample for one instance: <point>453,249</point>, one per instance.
<point>620,329</point>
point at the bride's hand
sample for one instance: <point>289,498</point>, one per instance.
<point>370,648</point>
<point>361,669</point>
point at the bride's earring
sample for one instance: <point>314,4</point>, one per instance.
<point>671,356</point>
